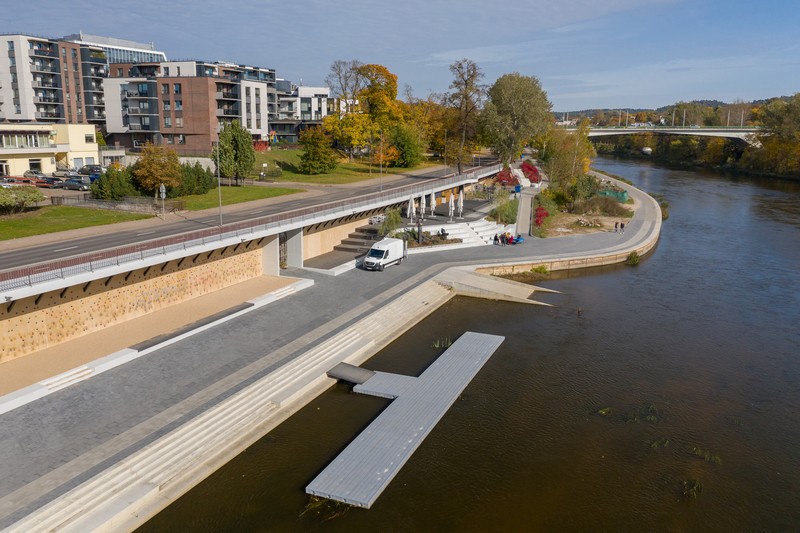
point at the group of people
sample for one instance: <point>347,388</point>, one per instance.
<point>619,227</point>
<point>506,238</point>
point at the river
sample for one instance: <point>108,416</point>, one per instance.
<point>693,355</point>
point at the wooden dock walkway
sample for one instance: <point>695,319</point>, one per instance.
<point>364,469</point>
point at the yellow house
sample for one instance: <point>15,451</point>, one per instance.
<point>46,147</point>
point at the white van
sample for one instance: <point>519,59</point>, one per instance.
<point>384,253</point>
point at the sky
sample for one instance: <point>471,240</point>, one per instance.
<point>587,54</point>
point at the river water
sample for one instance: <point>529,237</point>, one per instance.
<point>694,355</point>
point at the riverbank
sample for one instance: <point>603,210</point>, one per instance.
<point>218,416</point>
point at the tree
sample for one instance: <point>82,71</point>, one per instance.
<point>379,95</point>
<point>318,156</point>
<point>465,97</point>
<point>114,184</point>
<point>195,179</point>
<point>345,81</point>
<point>565,156</point>
<point>405,139</point>
<point>157,165</point>
<point>236,152</point>
<point>351,132</point>
<point>517,109</point>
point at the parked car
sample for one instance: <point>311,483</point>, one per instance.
<point>50,183</point>
<point>35,174</point>
<point>87,170</point>
<point>63,172</point>
<point>76,185</point>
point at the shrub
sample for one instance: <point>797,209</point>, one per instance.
<point>17,199</point>
<point>601,205</point>
<point>115,184</point>
<point>633,258</point>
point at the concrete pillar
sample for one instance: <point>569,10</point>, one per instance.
<point>270,257</point>
<point>294,248</point>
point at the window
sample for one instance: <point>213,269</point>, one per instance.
<point>178,105</point>
<point>179,70</point>
<point>178,122</point>
<point>141,88</point>
<point>119,72</point>
<point>181,139</point>
<point>167,122</point>
<point>166,106</point>
<point>170,139</point>
<point>35,164</point>
<point>166,71</point>
<point>177,88</point>
<point>165,88</point>
<point>247,91</point>
<point>88,138</point>
<point>63,52</point>
<point>74,54</point>
<point>10,45</point>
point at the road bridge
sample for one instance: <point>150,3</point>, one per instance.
<point>743,134</point>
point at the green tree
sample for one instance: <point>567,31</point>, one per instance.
<point>115,184</point>
<point>236,152</point>
<point>517,109</point>
<point>391,222</point>
<point>157,165</point>
<point>195,179</point>
<point>318,156</point>
<point>465,96</point>
<point>406,140</point>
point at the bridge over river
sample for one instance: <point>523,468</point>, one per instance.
<point>745,134</point>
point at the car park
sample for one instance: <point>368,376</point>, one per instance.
<point>50,183</point>
<point>63,172</point>
<point>76,185</point>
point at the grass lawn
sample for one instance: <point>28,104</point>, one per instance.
<point>234,195</point>
<point>50,219</point>
<point>346,172</point>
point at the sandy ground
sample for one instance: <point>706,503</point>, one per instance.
<point>25,371</point>
<point>564,224</point>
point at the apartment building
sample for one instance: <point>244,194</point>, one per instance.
<point>184,104</point>
<point>298,108</point>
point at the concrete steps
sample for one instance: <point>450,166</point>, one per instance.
<point>360,241</point>
<point>119,497</point>
<point>486,229</point>
<point>67,378</point>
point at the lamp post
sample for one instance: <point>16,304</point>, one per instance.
<point>219,191</point>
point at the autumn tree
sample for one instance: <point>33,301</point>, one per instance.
<point>351,132</point>
<point>157,165</point>
<point>517,109</point>
<point>566,155</point>
<point>378,98</point>
<point>318,155</point>
<point>465,96</point>
<point>234,152</point>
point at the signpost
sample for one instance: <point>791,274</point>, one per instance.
<point>162,192</point>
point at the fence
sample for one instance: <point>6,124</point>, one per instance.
<point>131,204</point>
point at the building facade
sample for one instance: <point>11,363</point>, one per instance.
<point>46,147</point>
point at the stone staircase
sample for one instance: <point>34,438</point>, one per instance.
<point>360,241</point>
<point>486,229</point>
<point>129,492</point>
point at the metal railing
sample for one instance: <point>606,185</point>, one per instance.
<point>267,225</point>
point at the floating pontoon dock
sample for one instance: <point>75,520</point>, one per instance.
<point>363,470</point>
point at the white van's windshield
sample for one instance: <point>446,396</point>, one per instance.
<point>376,254</point>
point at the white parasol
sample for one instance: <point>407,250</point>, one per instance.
<point>461,204</point>
<point>433,203</point>
<point>451,205</point>
<point>422,206</point>
<point>411,210</point>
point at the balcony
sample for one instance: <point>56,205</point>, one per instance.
<point>40,67</point>
<point>227,95</point>
<point>45,84</point>
<point>45,99</point>
<point>138,111</point>
<point>42,51</point>
<point>228,112</point>
<point>140,127</point>
<point>47,115</point>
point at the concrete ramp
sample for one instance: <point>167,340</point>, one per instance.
<point>350,373</point>
<point>470,283</point>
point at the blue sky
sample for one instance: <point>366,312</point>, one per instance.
<point>586,53</point>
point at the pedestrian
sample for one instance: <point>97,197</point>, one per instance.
<point>502,239</point>
<point>622,227</point>
<point>616,227</point>
<point>496,239</point>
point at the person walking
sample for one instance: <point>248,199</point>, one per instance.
<point>616,227</point>
<point>622,227</point>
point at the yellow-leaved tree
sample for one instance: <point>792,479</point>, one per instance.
<point>157,165</point>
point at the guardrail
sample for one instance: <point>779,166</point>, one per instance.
<point>270,224</point>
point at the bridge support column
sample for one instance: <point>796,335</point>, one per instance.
<point>270,257</point>
<point>294,248</point>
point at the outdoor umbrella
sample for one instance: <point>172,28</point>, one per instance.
<point>422,206</point>
<point>451,205</point>
<point>433,203</point>
<point>411,210</point>
<point>461,204</point>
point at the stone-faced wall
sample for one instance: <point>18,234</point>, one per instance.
<point>54,317</point>
<point>318,241</point>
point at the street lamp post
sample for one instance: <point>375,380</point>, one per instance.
<point>219,191</point>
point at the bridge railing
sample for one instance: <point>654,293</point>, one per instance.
<point>134,253</point>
